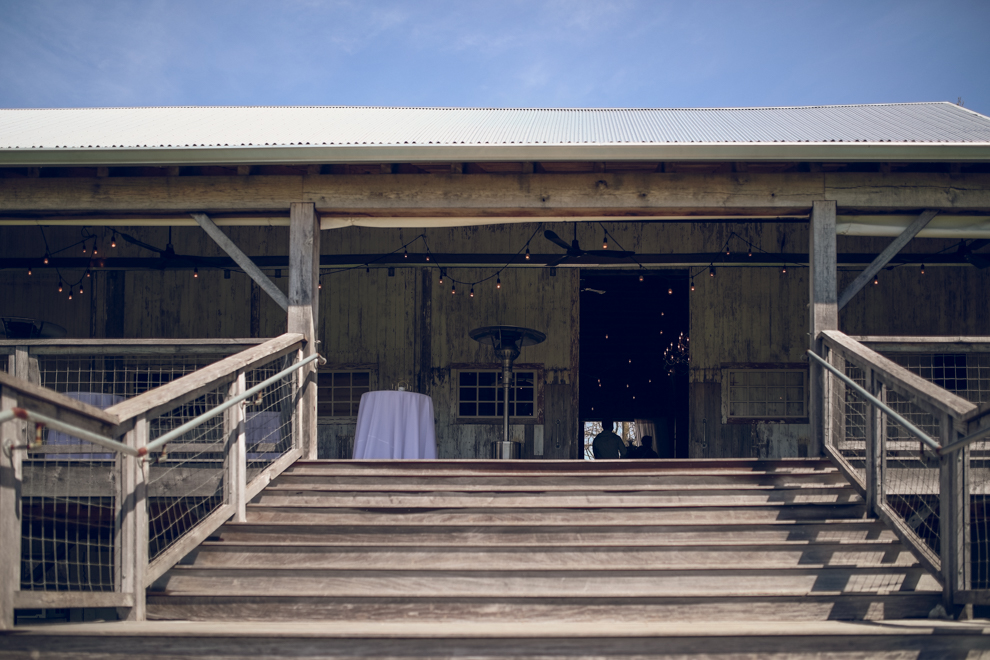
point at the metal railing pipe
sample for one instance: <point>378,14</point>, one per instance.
<point>75,431</point>
<point>914,430</point>
<point>963,442</point>
<point>193,423</point>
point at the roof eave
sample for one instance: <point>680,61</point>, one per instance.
<point>303,154</point>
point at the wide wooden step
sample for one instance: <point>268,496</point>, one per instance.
<point>401,582</point>
<point>780,531</point>
<point>275,553</point>
<point>318,497</point>
<point>542,516</point>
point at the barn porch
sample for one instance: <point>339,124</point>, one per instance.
<point>770,242</point>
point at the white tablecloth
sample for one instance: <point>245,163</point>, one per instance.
<point>393,424</point>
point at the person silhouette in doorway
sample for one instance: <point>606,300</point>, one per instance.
<point>645,450</point>
<point>607,444</point>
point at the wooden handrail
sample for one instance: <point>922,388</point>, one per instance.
<point>127,346</point>
<point>946,344</point>
<point>154,402</point>
<point>897,377</point>
<point>53,404</point>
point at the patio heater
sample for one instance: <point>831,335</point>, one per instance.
<point>506,340</point>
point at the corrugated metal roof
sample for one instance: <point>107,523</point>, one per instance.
<point>300,126</point>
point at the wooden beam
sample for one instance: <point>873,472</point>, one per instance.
<point>884,257</point>
<point>824,315</point>
<point>242,260</point>
<point>304,278</point>
<point>626,194</point>
<point>11,478</point>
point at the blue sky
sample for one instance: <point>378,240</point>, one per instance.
<point>504,53</point>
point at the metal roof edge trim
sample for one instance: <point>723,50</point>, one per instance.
<point>781,151</point>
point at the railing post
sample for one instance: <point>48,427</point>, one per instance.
<point>823,308</point>
<point>134,521</point>
<point>954,521</point>
<point>11,433</point>
<point>874,447</point>
<point>304,308</point>
<point>236,452</point>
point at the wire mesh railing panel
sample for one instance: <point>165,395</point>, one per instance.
<point>104,380</point>
<point>68,513</point>
<point>846,432</point>
<point>979,513</point>
<point>911,475</point>
<point>966,375</point>
<point>268,425</point>
<point>186,479</point>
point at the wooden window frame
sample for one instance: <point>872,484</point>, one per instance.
<point>371,369</point>
<point>536,418</point>
<point>792,367</point>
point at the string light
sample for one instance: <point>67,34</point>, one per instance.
<point>441,276</point>
<point>783,269</point>
<point>453,288</point>
<point>320,286</point>
<point>29,270</point>
<point>113,241</point>
<point>498,282</point>
<point>670,291</point>
<point>405,253</point>
<point>70,294</point>
<point>527,252</point>
<point>727,250</point>
<point>46,259</point>
<point>605,242</point>
<point>692,284</point>
<point>641,278</point>
<point>427,256</point>
<point>751,252</point>
<point>60,286</point>
<point>195,272</point>
<point>711,271</point>
<point>87,273</point>
<point>922,269</point>
<point>876,279</point>
<point>84,247</point>
<point>96,248</point>
<point>472,292</point>
<point>80,289</point>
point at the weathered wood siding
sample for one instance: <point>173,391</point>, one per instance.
<point>410,328</point>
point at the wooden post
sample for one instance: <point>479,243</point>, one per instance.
<point>236,452</point>
<point>304,276</point>
<point>11,433</point>
<point>954,514</point>
<point>823,306</point>
<point>134,522</point>
<point>874,449</point>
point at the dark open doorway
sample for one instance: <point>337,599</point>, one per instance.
<point>631,323</point>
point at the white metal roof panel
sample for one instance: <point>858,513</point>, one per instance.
<point>414,131</point>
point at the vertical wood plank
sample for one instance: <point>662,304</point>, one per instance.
<point>954,520</point>
<point>234,431</point>
<point>304,274</point>
<point>874,449</point>
<point>823,305</point>
<point>134,523</point>
<point>10,512</point>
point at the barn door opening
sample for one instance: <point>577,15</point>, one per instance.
<point>633,355</point>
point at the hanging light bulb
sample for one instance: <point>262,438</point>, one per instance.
<point>84,247</point>
<point>96,248</point>
<point>453,288</point>
<point>922,269</point>
<point>427,256</point>
<point>783,269</point>
<point>876,279</point>
<point>692,284</point>
<point>751,252</point>
<point>319,286</point>
<point>70,294</point>
<point>87,273</point>
<point>60,286</point>
<point>670,291</point>
<point>640,277</point>
<point>527,251</point>
<point>441,277</point>
<point>727,250</point>
<point>80,289</point>
<point>29,270</point>
<point>472,292</point>
<point>195,272</point>
<point>405,253</point>
<point>113,241</point>
<point>711,271</point>
<point>46,259</point>
<point>498,282</point>
<point>605,242</point>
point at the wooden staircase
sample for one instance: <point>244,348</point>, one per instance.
<point>561,541</point>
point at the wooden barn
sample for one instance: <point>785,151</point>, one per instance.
<point>790,302</point>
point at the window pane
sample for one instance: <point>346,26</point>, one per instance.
<point>757,378</point>
<point>739,409</point>
<point>342,379</point>
<point>524,409</point>
<point>487,409</point>
<point>758,394</point>
<point>468,394</point>
<point>342,409</point>
<point>795,394</point>
<point>775,378</point>
<point>467,410</point>
<point>756,409</point>
<point>487,378</point>
<point>795,410</point>
<point>775,408</point>
<point>361,379</point>
<point>525,394</point>
<point>469,378</point>
<point>487,393</point>
<point>775,394</point>
<point>795,378</point>
<point>737,378</point>
<point>357,392</point>
<point>737,394</point>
